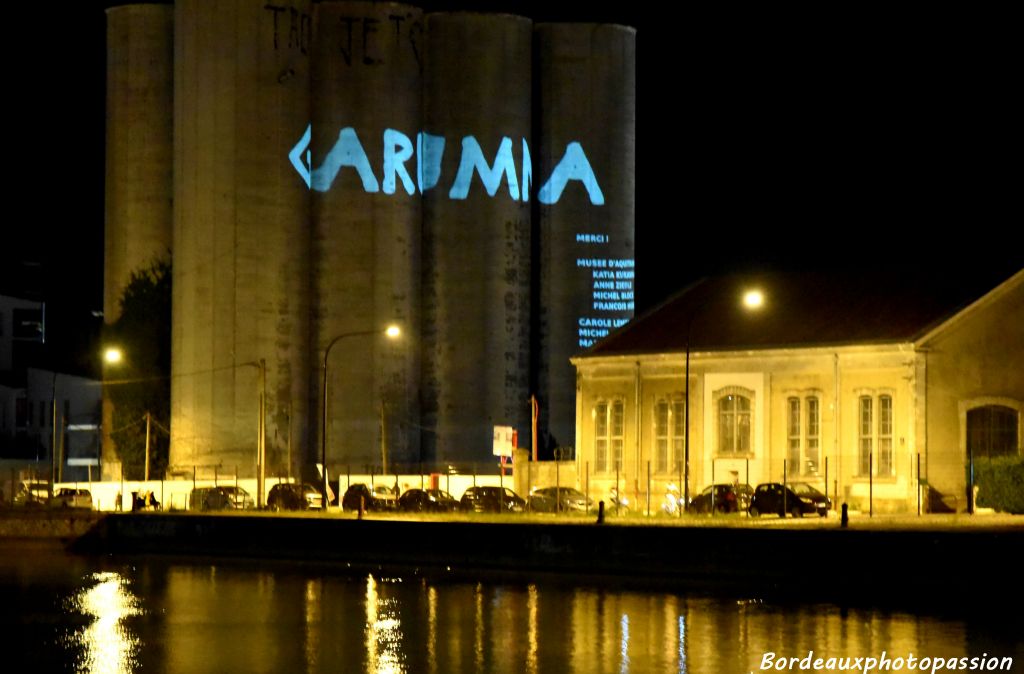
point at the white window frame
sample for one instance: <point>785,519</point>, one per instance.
<point>604,413</point>
<point>668,441</point>
<point>751,399</point>
<point>876,433</point>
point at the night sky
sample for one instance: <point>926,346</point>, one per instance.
<point>802,139</point>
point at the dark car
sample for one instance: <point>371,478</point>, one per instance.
<point>724,498</point>
<point>202,498</point>
<point>491,500</point>
<point>294,496</point>
<point>822,502</point>
<point>774,497</point>
<point>371,500</point>
<point>427,500</point>
<point>559,499</point>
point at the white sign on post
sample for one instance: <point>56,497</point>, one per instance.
<point>503,440</point>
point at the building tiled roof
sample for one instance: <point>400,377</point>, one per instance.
<point>802,309</point>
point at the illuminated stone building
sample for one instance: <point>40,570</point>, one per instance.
<point>861,385</point>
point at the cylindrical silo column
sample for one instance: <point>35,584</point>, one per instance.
<point>476,229</point>
<point>586,186</point>
<point>241,234</point>
<point>366,88</point>
<point>140,52</point>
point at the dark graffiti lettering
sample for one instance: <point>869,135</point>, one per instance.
<point>300,27</point>
<point>369,29</point>
<point>346,47</point>
<point>276,9</point>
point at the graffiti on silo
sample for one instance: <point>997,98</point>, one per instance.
<point>429,150</point>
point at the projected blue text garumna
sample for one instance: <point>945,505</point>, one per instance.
<point>428,151</point>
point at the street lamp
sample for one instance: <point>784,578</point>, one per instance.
<point>391,332</point>
<point>753,300</point>
<point>261,429</point>
<point>113,355</point>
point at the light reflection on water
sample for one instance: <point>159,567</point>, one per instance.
<point>107,645</point>
<point>180,618</point>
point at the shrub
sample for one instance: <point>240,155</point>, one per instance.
<point>1000,483</point>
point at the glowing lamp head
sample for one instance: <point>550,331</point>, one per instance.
<point>393,332</point>
<point>113,355</point>
<point>753,299</point>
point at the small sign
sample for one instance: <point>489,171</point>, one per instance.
<point>83,462</point>
<point>503,440</point>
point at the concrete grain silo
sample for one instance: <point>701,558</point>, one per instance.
<point>366,89</point>
<point>587,83</point>
<point>476,231</point>
<point>140,86</point>
<point>241,234</point>
<point>139,189</point>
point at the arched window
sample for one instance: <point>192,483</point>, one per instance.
<point>734,423</point>
<point>992,431</point>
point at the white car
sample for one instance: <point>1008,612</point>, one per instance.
<point>71,498</point>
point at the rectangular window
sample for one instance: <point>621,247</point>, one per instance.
<point>884,461</point>
<point>601,437</point>
<point>20,413</point>
<point>618,427</point>
<point>661,439</point>
<point>793,426</point>
<point>678,435</point>
<point>865,431</point>
<point>812,463</point>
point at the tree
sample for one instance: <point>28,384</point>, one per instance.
<point>142,379</point>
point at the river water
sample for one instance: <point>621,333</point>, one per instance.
<point>63,613</point>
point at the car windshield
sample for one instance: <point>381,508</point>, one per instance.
<point>803,488</point>
<point>441,494</point>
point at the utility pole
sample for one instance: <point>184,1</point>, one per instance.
<point>383,441</point>
<point>148,419</point>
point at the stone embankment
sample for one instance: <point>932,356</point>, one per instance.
<point>979,566</point>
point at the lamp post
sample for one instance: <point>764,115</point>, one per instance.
<point>261,429</point>
<point>752,300</point>
<point>391,332</point>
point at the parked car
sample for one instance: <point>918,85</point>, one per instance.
<point>239,498</point>
<point>822,502</point>
<point>492,500</point>
<point>726,498</point>
<point>205,498</point>
<point>774,497</point>
<point>294,496</point>
<point>385,498</point>
<point>427,500</point>
<point>356,492</point>
<point>559,499</point>
<point>71,498</point>
<point>32,493</point>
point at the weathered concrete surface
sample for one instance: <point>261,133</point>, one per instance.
<point>46,524</point>
<point>887,567</point>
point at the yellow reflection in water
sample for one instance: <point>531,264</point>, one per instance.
<point>383,632</point>
<point>531,651</point>
<point>478,631</point>
<point>432,629</point>
<point>108,647</point>
<point>312,623</point>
